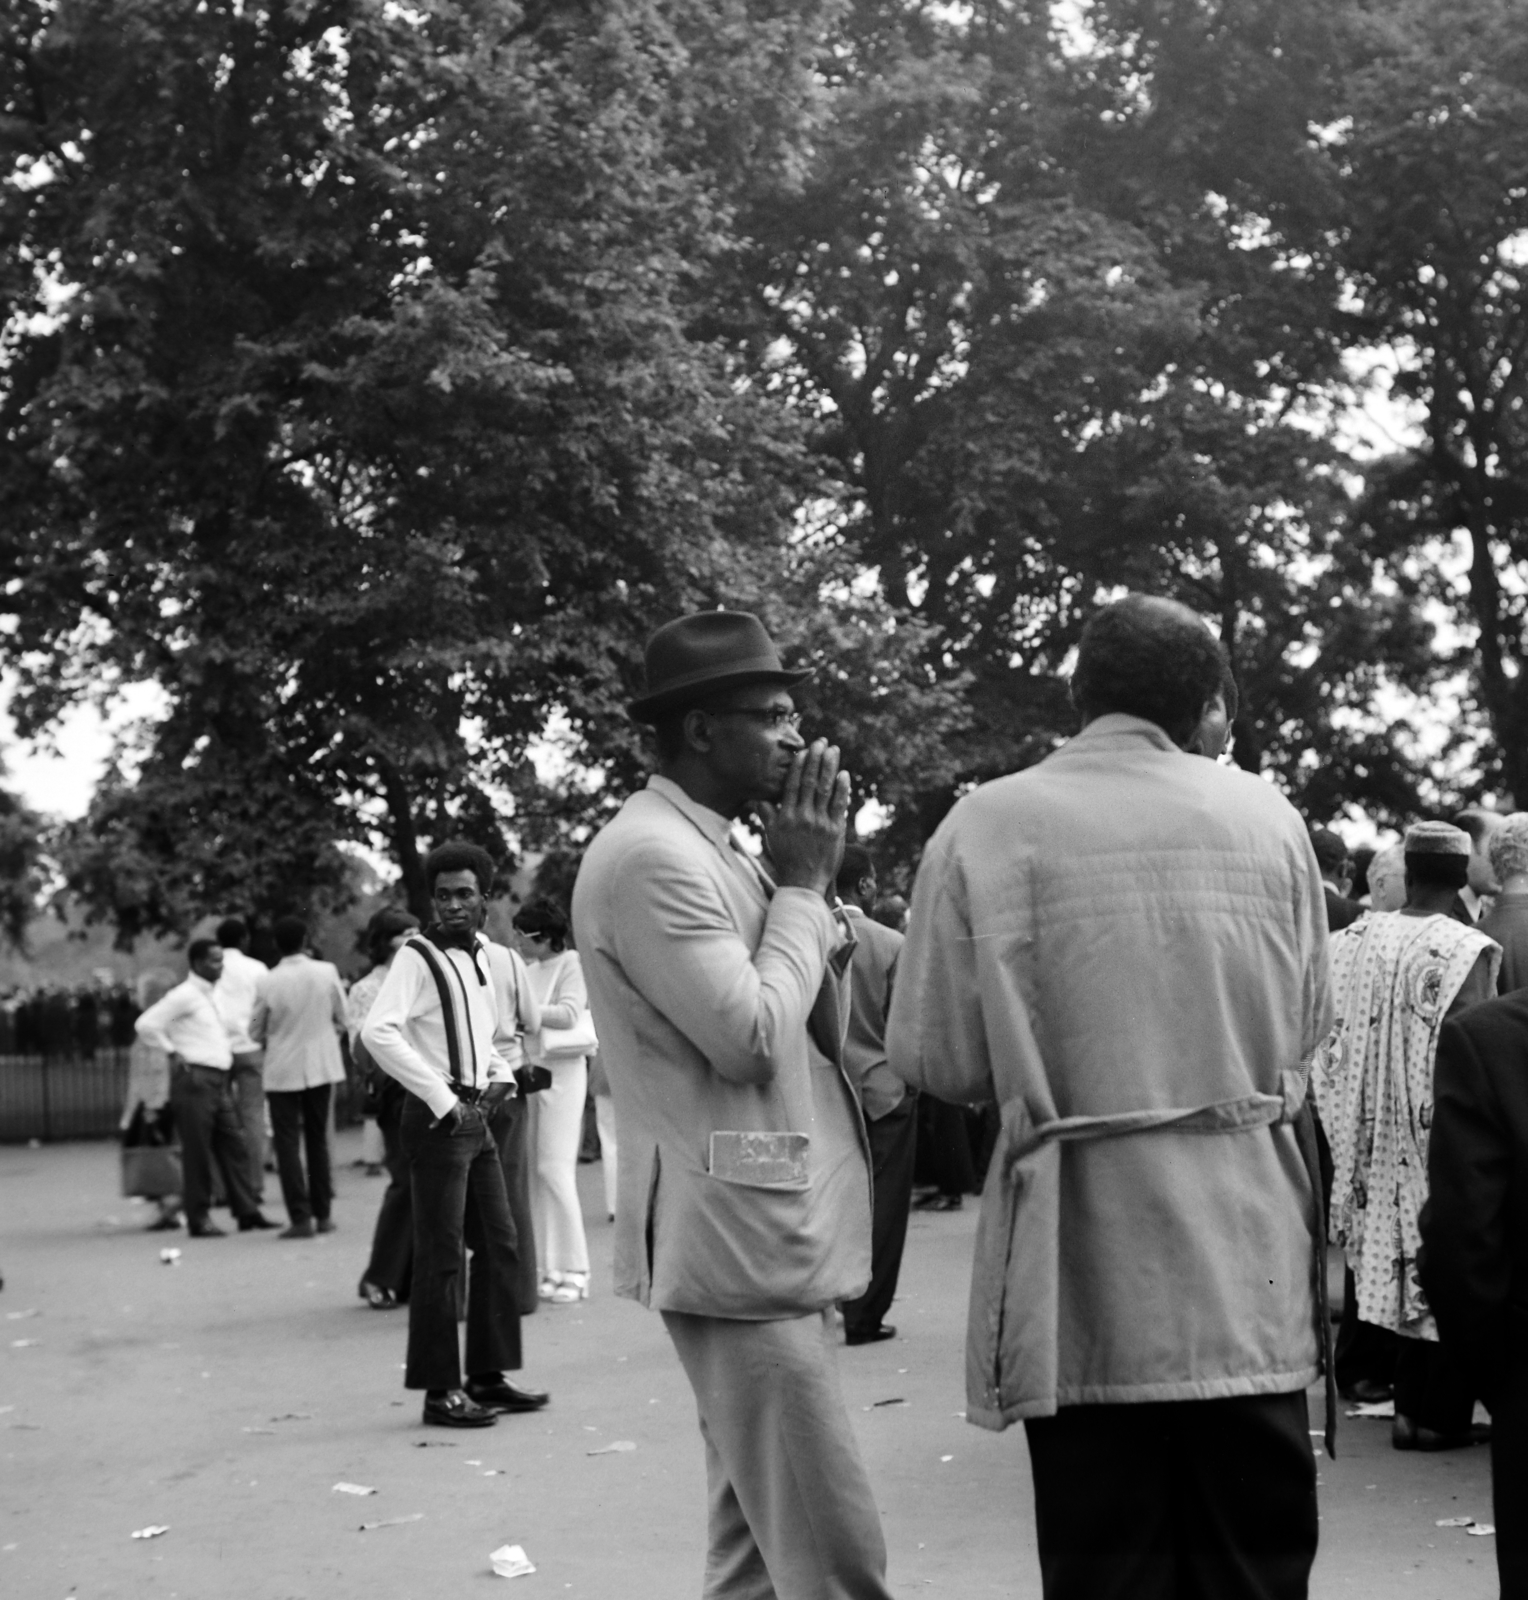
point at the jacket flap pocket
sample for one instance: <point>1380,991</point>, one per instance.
<point>760,1160</point>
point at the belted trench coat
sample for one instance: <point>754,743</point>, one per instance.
<point>1125,948</point>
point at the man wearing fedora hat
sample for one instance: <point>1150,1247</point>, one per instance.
<point>720,998</point>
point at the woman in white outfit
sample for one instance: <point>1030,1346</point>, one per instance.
<point>557,1114</point>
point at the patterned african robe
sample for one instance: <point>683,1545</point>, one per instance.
<point>1393,980</point>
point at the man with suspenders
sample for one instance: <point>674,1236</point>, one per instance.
<point>432,1028</point>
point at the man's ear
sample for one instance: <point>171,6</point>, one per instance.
<point>697,730</point>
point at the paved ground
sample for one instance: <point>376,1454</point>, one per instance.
<point>224,1397</point>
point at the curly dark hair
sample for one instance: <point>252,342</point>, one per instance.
<point>456,855</point>
<point>1150,658</point>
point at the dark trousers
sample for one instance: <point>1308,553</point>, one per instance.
<point>248,1080</point>
<point>458,1197</point>
<point>510,1125</point>
<point>944,1147</point>
<point>1509,1481</point>
<point>209,1126</point>
<point>1430,1388</point>
<point>392,1243</point>
<point>893,1142</point>
<point>300,1121</point>
<point>1176,1500</point>
<point>1364,1351</point>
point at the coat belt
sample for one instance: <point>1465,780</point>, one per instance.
<point>1029,1162</point>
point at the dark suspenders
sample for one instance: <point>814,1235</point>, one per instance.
<point>447,1009</point>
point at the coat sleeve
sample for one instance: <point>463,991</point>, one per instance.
<point>677,943</point>
<point>935,1037</point>
<point>1465,1267</point>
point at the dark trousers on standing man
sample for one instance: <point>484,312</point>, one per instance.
<point>300,1122</point>
<point>510,1126</point>
<point>209,1126</point>
<point>893,1143</point>
<point>392,1243</point>
<point>248,1080</point>
<point>1431,1388</point>
<point>1176,1500</point>
<point>458,1194</point>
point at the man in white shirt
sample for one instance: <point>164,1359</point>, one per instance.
<point>238,989</point>
<point>298,1018</point>
<point>187,1025</point>
<point>432,1028</point>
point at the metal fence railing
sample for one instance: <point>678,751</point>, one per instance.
<point>81,1097</point>
<point>61,1097</point>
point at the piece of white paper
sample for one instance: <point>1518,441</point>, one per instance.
<point>351,1488</point>
<point>1455,1522</point>
<point>1378,1408</point>
<point>170,1256</point>
<point>511,1561</point>
<point>618,1448</point>
<point>23,1344</point>
<point>393,1522</point>
<point>152,1531</point>
<point>1481,1529</point>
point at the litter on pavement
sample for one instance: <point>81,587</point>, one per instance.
<point>170,1256</point>
<point>351,1488</point>
<point>1456,1522</point>
<point>1481,1529</point>
<point>876,1404</point>
<point>152,1531</point>
<point>619,1447</point>
<point>393,1522</point>
<point>22,1344</point>
<point>510,1561</point>
<point>21,1316</point>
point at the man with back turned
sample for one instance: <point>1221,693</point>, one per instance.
<point>719,996</point>
<point>1125,948</point>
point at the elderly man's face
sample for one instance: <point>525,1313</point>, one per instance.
<point>1387,887</point>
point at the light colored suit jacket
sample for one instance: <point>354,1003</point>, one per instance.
<point>1125,932</point>
<point>698,978</point>
<point>301,1005</point>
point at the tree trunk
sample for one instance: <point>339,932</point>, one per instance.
<point>400,813</point>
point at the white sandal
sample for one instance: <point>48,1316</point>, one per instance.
<point>570,1287</point>
<point>550,1283</point>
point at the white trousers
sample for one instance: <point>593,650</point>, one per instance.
<point>604,1118</point>
<point>557,1125</point>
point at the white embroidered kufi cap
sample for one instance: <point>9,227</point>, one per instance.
<point>1437,839</point>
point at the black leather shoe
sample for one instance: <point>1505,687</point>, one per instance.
<point>207,1230</point>
<point>298,1230</point>
<point>869,1335</point>
<point>455,1409</point>
<point>499,1394</point>
<point>253,1221</point>
<point>325,1224</point>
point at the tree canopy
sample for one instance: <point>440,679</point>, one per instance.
<point>374,377</point>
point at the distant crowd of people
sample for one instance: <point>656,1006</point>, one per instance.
<point>57,1021</point>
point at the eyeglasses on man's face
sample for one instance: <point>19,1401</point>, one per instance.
<point>774,718</point>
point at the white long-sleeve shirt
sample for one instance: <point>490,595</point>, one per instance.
<point>188,1022</point>
<point>406,1035</point>
<point>238,992</point>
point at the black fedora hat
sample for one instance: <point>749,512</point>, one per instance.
<point>694,656</point>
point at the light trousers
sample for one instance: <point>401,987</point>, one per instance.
<point>604,1120</point>
<point>557,1126</point>
<point>791,1513</point>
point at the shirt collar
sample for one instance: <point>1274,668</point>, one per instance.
<point>198,982</point>
<point>1119,728</point>
<point>716,827</point>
